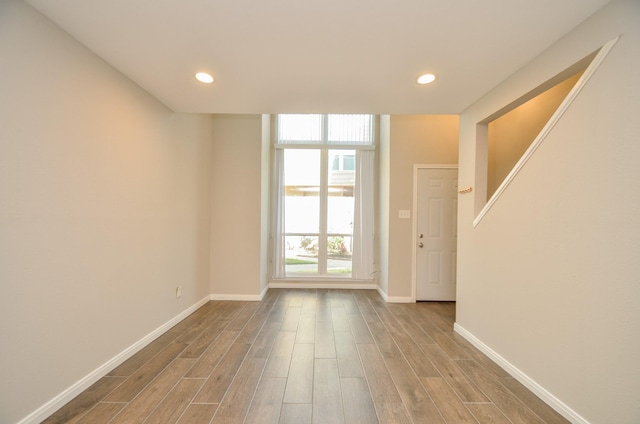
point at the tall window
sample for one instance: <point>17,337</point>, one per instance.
<point>324,189</point>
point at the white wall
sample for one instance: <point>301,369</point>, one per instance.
<point>549,278</point>
<point>104,210</point>
<point>382,216</point>
<point>414,139</point>
<point>237,233</point>
<point>265,204</point>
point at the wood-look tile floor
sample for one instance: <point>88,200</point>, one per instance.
<point>310,356</point>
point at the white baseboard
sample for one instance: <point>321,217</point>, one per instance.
<point>527,381</point>
<point>63,398</point>
<point>240,297</point>
<point>322,285</point>
<point>393,299</point>
<point>264,292</point>
<point>382,294</point>
<point>237,297</point>
<point>399,299</point>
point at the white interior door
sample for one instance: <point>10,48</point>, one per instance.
<point>436,224</point>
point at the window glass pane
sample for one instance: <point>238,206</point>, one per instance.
<point>349,129</point>
<point>339,256</point>
<point>299,129</point>
<point>340,203</point>
<point>349,163</point>
<point>302,191</point>
<point>301,254</point>
<point>335,162</point>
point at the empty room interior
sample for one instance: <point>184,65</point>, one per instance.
<point>310,232</point>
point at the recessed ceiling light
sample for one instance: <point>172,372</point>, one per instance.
<point>204,77</point>
<point>426,79</point>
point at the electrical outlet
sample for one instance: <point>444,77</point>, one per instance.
<point>178,292</point>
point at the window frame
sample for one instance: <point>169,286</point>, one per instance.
<point>325,146</point>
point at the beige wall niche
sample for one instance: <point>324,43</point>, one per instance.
<point>511,134</point>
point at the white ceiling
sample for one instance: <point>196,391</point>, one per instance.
<point>346,56</point>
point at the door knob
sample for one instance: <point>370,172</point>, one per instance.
<point>420,244</point>
<point>420,235</point>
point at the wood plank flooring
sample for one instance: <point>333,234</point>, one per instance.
<point>310,356</point>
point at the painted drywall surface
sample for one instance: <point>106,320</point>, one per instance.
<point>104,193</point>
<point>236,205</point>
<point>511,134</point>
<point>382,217</point>
<point>265,204</point>
<point>548,278</point>
<point>414,139</point>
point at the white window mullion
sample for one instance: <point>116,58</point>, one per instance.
<point>363,225</point>
<point>324,191</point>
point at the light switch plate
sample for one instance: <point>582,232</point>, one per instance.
<point>404,214</point>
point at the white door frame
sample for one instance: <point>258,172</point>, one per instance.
<point>414,226</point>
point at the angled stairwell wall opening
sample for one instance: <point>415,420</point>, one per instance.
<point>506,139</point>
<point>511,134</point>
